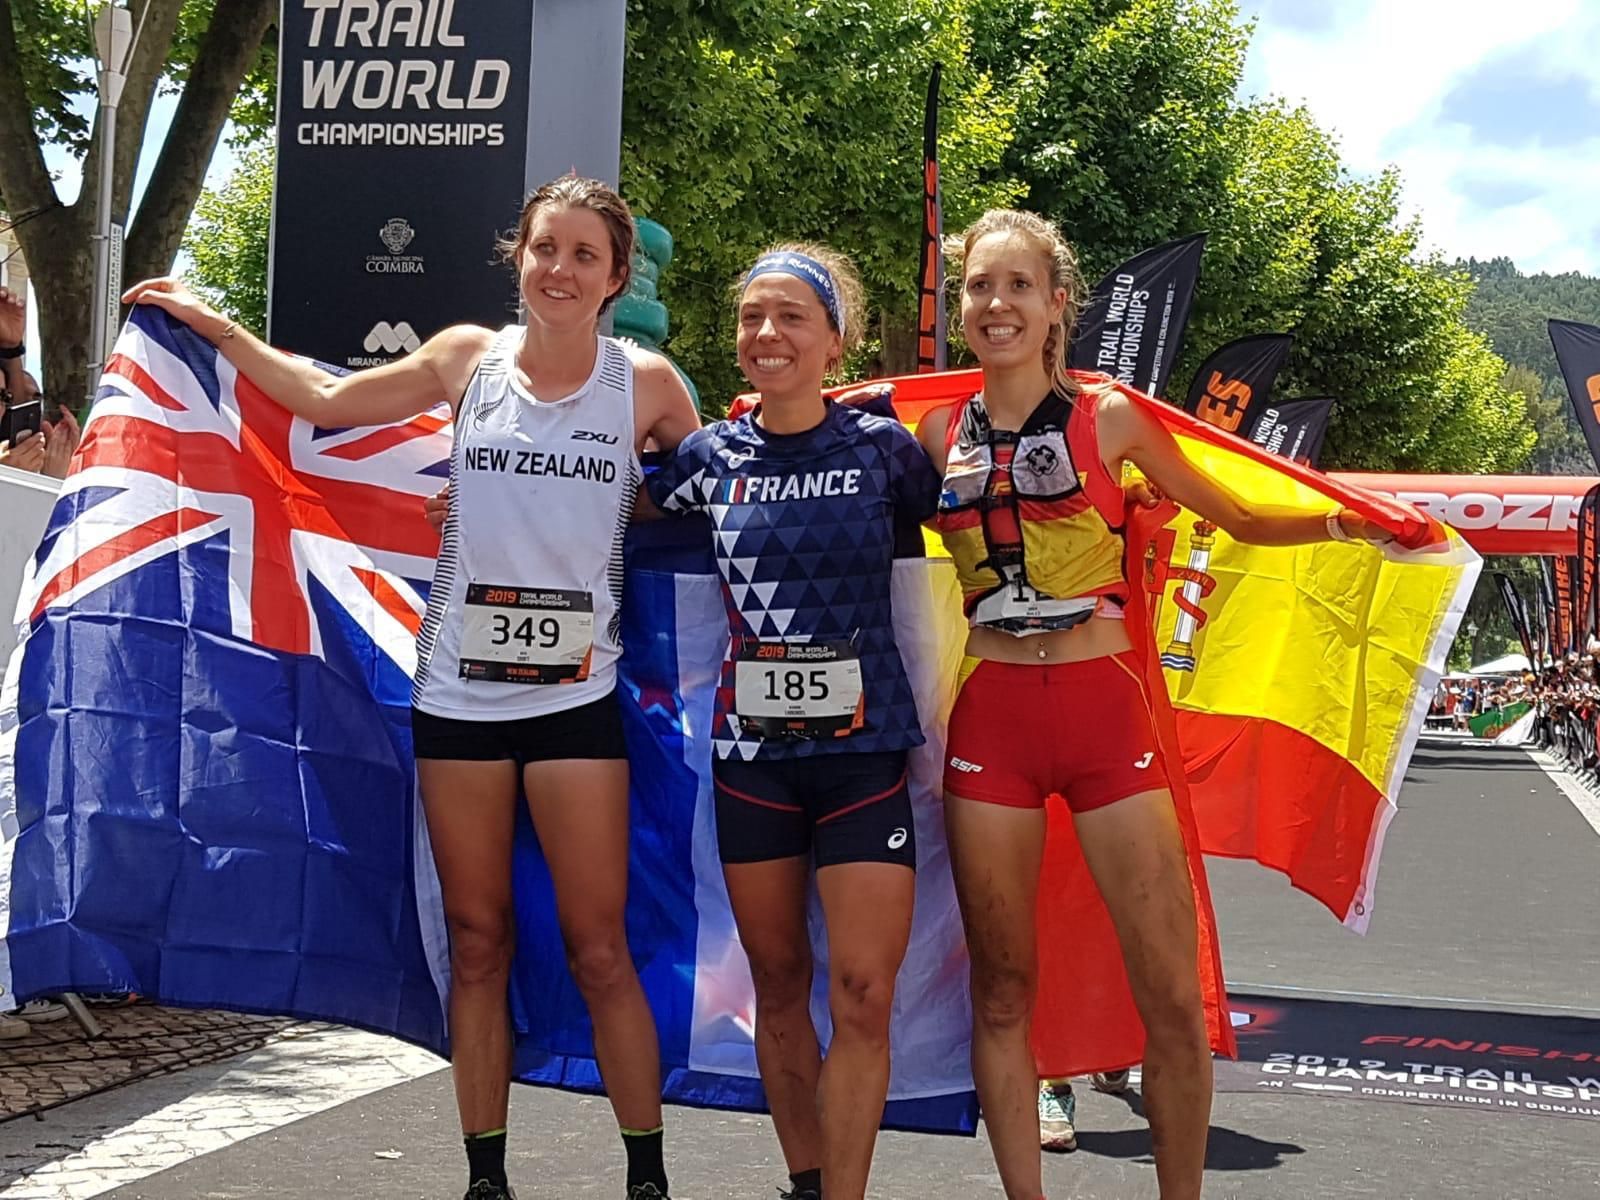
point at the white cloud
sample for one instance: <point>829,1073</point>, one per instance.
<point>1378,72</point>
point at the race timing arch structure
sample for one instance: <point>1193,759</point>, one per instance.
<point>1496,514</point>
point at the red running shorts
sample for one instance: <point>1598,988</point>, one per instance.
<point>1083,730</point>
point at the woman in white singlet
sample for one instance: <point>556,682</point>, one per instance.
<point>517,655</point>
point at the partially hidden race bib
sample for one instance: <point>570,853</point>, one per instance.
<point>526,635</point>
<point>798,689</point>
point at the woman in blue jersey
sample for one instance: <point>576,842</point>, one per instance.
<point>517,654</point>
<point>815,714</point>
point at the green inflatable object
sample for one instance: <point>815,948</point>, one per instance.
<point>639,313</point>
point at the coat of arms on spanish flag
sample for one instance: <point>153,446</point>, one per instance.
<point>1296,681</point>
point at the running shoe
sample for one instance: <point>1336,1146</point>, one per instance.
<point>12,1028</point>
<point>1112,1083</point>
<point>41,1010</point>
<point>798,1194</point>
<point>646,1191</point>
<point>484,1190</point>
<point>1057,1109</point>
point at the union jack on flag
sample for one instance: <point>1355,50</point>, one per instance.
<point>180,448</point>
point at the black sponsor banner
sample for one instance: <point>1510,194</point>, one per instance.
<point>1293,428</point>
<point>1563,607</point>
<point>1517,611</point>
<point>1495,1062</point>
<point>932,337</point>
<point>1132,326</point>
<point>1577,349</point>
<point>1235,383</point>
<point>1584,596</point>
<point>402,139</point>
<point>1547,606</point>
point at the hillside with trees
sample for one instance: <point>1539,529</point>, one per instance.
<point>1510,309</point>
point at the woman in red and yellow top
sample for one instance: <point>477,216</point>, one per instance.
<point>1056,699</point>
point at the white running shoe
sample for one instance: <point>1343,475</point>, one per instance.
<point>1112,1083</point>
<point>1057,1109</point>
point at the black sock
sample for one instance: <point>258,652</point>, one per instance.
<point>645,1164</point>
<point>807,1181</point>
<point>486,1157</point>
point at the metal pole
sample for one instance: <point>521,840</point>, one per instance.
<point>102,236</point>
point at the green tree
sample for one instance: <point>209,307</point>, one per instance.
<point>212,51</point>
<point>227,240</point>
<point>1128,134</point>
<point>750,123</point>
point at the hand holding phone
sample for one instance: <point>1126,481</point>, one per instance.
<point>20,418</point>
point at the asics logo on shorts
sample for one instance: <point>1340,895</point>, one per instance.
<point>897,839</point>
<point>962,764</point>
<point>1145,761</point>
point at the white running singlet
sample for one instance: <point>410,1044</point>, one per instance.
<point>523,619</point>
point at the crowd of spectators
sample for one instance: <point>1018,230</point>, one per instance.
<point>1566,697</point>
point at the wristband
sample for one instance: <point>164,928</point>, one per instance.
<point>12,351</point>
<point>1335,529</point>
<point>227,330</point>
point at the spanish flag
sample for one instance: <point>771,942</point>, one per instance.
<point>1290,685</point>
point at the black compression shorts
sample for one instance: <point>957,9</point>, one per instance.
<point>592,730</point>
<point>839,808</point>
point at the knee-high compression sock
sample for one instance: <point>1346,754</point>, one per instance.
<point>645,1162</point>
<point>486,1157</point>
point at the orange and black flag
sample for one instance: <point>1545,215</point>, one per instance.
<point>1233,387</point>
<point>932,350</point>
<point>1577,349</point>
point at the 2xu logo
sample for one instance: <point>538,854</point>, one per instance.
<point>1225,403</point>
<point>590,435</point>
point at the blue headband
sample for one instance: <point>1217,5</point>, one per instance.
<point>803,267</point>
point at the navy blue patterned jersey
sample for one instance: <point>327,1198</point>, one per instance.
<point>806,527</point>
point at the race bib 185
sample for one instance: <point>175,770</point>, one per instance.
<point>798,690</point>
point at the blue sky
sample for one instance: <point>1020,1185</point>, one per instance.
<point>1490,110</point>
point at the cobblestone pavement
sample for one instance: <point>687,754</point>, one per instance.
<point>56,1063</point>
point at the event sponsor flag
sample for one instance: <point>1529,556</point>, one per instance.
<point>1577,349</point>
<point>1517,611</point>
<point>1132,326</point>
<point>1294,428</point>
<point>932,340</point>
<point>1585,593</point>
<point>1235,383</point>
<point>1563,609</point>
<point>1547,605</point>
<point>206,784</point>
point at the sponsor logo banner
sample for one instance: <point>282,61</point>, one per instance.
<point>1132,326</point>
<point>1496,514</point>
<point>1577,348</point>
<point>402,136</point>
<point>1534,1066</point>
<point>1234,385</point>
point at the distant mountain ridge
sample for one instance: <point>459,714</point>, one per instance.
<point>1510,309</point>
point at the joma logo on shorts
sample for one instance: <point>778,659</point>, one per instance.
<point>962,764</point>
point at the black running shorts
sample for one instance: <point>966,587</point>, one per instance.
<point>592,730</point>
<point>838,808</point>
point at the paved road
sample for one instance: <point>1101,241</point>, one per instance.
<point>1490,898</point>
